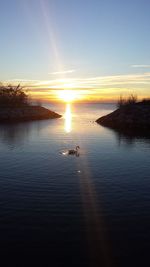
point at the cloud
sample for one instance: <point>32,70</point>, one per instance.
<point>23,80</point>
<point>92,82</point>
<point>98,86</point>
<point>62,72</point>
<point>141,66</point>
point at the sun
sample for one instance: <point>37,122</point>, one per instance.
<point>67,95</point>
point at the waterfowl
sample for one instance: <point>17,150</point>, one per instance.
<point>73,151</point>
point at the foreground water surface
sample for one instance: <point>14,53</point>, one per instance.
<point>63,210</point>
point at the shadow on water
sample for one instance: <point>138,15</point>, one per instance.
<point>16,133</point>
<point>130,136</point>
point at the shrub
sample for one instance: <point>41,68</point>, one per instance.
<point>13,96</point>
<point>132,99</point>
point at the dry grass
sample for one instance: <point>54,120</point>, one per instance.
<point>131,100</point>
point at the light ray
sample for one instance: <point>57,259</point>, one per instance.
<point>51,35</point>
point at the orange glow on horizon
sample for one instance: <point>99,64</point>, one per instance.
<point>59,88</point>
<point>80,96</point>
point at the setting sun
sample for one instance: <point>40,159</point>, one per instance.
<point>67,95</point>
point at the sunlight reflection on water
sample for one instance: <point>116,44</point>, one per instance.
<point>79,208</point>
<point>68,118</point>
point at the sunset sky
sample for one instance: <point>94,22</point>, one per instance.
<point>99,49</point>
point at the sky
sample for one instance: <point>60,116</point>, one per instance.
<point>100,49</point>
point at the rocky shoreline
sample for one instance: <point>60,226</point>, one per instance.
<point>134,116</point>
<point>26,113</point>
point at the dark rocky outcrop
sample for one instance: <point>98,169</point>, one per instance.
<point>26,113</point>
<point>129,117</point>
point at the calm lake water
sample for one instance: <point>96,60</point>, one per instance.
<point>63,210</point>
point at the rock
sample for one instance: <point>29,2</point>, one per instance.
<point>133,116</point>
<point>27,113</point>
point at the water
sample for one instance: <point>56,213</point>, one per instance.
<point>60,210</point>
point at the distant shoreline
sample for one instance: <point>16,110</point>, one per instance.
<point>26,113</point>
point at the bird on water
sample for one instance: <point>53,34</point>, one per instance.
<point>74,151</point>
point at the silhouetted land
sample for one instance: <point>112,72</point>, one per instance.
<point>15,105</point>
<point>28,113</point>
<point>131,117</point>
